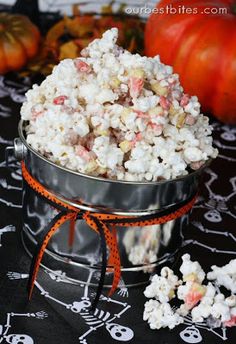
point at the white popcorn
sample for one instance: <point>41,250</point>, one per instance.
<point>224,276</point>
<point>215,306</point>
<point>220,310</point>
<point>204,309</point>
<point>90,105</point>
<point>205,302</point>
<point>160,315</point>
<point>108,154</point>
<point>231,301</point>
<point>145,103</point>
<point>193,107</point>
<point>183,290</point>
<point>201,312</point>
<point>192,154</point>
<point>106,96</point>
<point>191,270</point>
<point>162,287</point>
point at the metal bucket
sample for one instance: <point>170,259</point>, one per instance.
<point>141,249</point>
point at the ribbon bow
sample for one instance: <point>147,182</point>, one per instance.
<point>103,224</point>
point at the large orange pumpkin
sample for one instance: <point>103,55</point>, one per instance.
<point>19,41</point>
<point>202,49</point>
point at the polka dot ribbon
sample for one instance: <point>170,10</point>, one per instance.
<point>104,224</point>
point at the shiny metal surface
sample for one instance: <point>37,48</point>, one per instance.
<point>153,245</point>
<point>101,193</point>
<point>20,149</point>
<point>141,249</point>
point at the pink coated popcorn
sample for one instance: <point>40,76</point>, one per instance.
<point>135,86</point>
<point>68,109</point>
<point>59,100</point>
<point>82,66</point>
<point>90,141</point>
<point>84,153</point>
<point>138,137</point>
<point>35,113</point>
<point>141,114</point>
<point>71,137</point>
<point>190,120</point>
<point>165,104</point>
<point>157,128</point>
<point>231,322</point>
<point>184,100</point>
<point>195,295</point>
<point>172,83</point>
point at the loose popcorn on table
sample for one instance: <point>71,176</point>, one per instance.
<point>162,287</point>
<point>120,116</point>
<point>160,315</point>
<point>192,291</point>
<point>203,301</point>
<point>224,276</point>
<point>191,271</point>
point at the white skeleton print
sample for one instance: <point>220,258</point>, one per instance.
<point>191,333</point>
<point>225,142</point>
<point>14,90</point>
<point>217,204</point>
<point>18,338</point>
<point>122,289</point>
<point>7,183</point>
<point>6,229</point>
<point>98,318</point>
<point>222,232</point>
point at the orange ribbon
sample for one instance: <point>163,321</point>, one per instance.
<point>105,220</point>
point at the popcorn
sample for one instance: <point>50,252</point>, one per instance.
<point>162,287</point>
<point>192,271</point>
<point>204,309</point>
<point>231,301</point>
<point>158,89</point>
<point>108,154</point>
<point>191,293</point>
<point>220,310</point>
<point>125,146</point>
<point>160,315</point>
<point>128,112</point>
<point>205,302</point>
<point>224,276</point>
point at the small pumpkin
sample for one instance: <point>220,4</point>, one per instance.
<point>19,41</point>
<point>201,49</point>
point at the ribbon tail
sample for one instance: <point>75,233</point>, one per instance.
<point>111,257</point>
<point>114,259</point>
<point>71,238</point>
<point>50,229</point>
<point>99,227</point>
<point>116,278</point>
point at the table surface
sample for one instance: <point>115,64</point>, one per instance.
<point>48,318</point>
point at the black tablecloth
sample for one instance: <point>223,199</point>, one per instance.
<point>52,315</point>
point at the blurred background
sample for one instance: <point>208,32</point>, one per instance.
<point>65,6</point>
<point>198,45</point>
